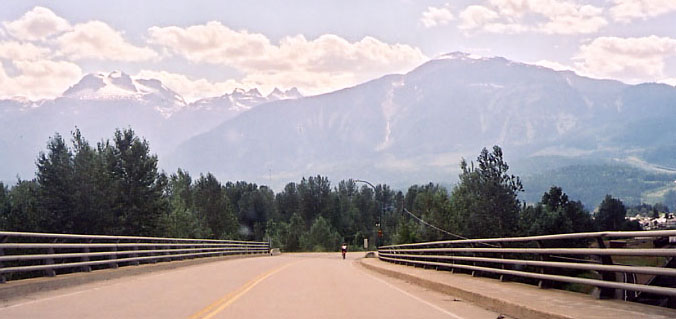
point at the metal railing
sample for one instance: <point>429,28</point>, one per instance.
<point>28,254</point>
<point>539,259</point>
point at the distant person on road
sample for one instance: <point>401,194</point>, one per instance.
<point>343,249</point>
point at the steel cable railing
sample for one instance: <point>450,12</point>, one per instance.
<point>22,254</point>
<point>549,264</point>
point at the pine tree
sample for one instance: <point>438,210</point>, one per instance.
<point>139,186</point>
<point>485,201</point>
<point>56,186</point>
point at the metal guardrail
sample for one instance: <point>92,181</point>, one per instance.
<point>31,252</point>
<point>547,264</point>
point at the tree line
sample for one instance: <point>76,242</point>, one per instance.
<point>116,188</point>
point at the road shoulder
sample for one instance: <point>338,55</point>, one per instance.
<point>516,299</point>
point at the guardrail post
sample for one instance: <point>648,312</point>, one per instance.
<point>3,239</point>
<point>86,258</point>
<point>167,251</point>
<point>50,261</point>
<point>544,284</point>
<point>601,292</point>
<point>503,277</point>
<point>474,272</point>
<point>153,260</point>
<point>114,265</point>
<point>135,255</point>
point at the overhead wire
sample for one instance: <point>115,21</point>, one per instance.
<point>439,229</point>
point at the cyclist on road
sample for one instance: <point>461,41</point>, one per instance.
<point>343,249</point>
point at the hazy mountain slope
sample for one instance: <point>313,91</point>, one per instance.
<point>416,127</point>
<point>100,103</point>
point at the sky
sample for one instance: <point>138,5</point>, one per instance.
<point>203,48</point>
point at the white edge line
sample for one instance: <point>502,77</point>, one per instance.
<point>412,296</point>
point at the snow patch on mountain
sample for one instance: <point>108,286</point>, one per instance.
<point>118,85</point>
<point>240,100</point>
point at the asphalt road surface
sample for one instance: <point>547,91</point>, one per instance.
<point>287,286</point>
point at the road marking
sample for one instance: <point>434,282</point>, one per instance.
<point>222,303</point>
<point>411,295</point>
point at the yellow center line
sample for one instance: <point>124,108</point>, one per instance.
<point>222,303</point>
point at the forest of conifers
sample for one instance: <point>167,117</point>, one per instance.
<point>116,188</point>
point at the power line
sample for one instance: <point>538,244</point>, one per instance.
<point>439,229</point>
<point>430,225</point>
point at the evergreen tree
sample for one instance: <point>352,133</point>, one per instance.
<point>485,200</point>
<point>139,186</point>
<point>321,237</point>
<point>212,205</point>
<point>610,214</point>
<point>555,214</point>
<point>296,230</point>
<point>91,211</point>
<point>56,186</point>
<point>314,194</point>
<point>5,206</point>
<point>287,202</point>
<point>25,214</point>
<point>255,207</point>
<point>182,219</point>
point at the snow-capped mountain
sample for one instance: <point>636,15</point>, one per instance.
<point>241,100</point>
<point>399,129</point>
<point>101,102</point>
<point>120,86</point>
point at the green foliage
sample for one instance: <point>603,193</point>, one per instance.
<point>55,177</point>
<point>296,229</point>
<point>406,232</point>
<point>182,219</point>
<point>485,201</point>
<point>5,205</point>
<point>610,214</point>
<point>276,232</point>
<point>321,237</point>
<point>431,203</point>
<point>590,183</point>
<point>213,206</point>
<point>116,188</point>
<point>555,214</point>
<point>139,204</point>
<point>24,213</point>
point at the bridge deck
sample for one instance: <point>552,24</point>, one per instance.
<point>518,300</point>
<point>297,286</point>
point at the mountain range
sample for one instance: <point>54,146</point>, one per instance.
<point>100,103</point>
<point>555,128</point>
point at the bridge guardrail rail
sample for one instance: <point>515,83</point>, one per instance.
<point>535,258</point>
<point>22,253</point>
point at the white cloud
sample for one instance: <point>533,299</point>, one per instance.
<point>627,10</point>
<point>434,16</point>
<point>670,81</point>
<point>12,50</point>
<point>192,89</point>
<point>37,24</point>
<point>97,40</point>
<point>474,17</point>
<point>325,63</point>
<point>39,78</point>
<point>542,16</point>
<point>628,59</point>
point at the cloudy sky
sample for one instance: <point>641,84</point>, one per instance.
<point>206,48</point>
